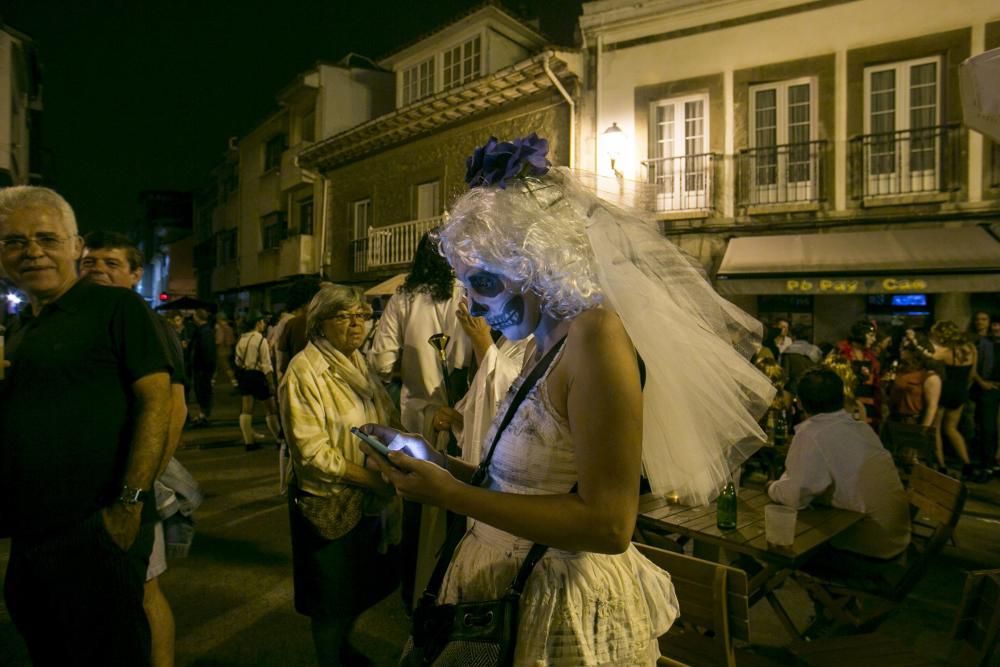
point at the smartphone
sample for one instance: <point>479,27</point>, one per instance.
<point>376,444</point>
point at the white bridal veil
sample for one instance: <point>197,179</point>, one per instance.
<point>702,397</point>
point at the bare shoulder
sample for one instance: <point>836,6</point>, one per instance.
<point>597,322</point>
<point>598,331</point>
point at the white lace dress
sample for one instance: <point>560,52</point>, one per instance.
<point>579,608</point>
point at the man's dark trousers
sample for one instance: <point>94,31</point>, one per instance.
<point>76,597</point>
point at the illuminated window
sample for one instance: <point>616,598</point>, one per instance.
<point>782,125</point>
<point>902,112</point>
<point>462,63</point>
<point>418,81</point>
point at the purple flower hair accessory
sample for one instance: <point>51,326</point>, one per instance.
<point>498,162</point>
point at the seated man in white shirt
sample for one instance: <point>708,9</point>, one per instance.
<point>837,460</point>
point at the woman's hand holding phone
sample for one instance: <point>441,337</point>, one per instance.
<point>412,466</point>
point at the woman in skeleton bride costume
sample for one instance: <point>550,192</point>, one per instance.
<point>540,255</point>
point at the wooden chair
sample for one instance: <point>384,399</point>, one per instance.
<point>860,605</point>
<point>714,611</point>
<point>978,620</point>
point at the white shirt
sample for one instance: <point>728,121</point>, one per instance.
<point>407,323</point>
<point>253,352</point>
<point>500,367</point>
<point>841,460</point>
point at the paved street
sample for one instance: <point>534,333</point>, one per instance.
<point>232,597</point>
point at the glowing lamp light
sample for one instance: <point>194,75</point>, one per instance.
<point>614,143</point>
<point>14,299</point>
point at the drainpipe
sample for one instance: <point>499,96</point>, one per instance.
<point>316,176</point>
<point>572,109</point>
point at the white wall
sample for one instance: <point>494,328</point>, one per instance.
<point>501,52</point>
<point>812,33</point>
<point>349,97</point>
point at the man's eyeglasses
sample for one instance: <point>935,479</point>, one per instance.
<point>16,244</point>
<point>347,317</point>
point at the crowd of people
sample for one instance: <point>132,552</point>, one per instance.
<point>926,393</point>
<point>553,355</point>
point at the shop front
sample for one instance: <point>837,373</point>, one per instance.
<point>894,276</point>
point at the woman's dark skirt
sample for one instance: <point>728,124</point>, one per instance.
<point>341,577</point>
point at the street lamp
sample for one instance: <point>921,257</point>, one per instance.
<point>614,144</point>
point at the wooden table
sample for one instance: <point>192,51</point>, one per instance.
<point>814,527</point>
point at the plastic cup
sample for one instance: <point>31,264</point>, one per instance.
<point>779,524</point>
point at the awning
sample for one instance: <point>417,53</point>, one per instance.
<point>960,259</point>
<point>387,287</point>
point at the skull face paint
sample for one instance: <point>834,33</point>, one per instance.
<point>504,306</point>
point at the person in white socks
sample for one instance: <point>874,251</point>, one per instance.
<point>255,377</point>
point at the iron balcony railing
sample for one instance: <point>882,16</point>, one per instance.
<point>681,183</point>
<point>782,174</point>
<point>916,161</point>
<point>390,245</point>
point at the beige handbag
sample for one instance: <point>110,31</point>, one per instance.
<point>332,516</point>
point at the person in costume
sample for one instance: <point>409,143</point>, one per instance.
<point>598,289</point>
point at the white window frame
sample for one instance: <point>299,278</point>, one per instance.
<point>463,77</point>
<point>904,179</point>
<point>682,184</point>
<point>361,223</point>
<point>803,190</point>
<point>428,200</point>
<point>423,72</point>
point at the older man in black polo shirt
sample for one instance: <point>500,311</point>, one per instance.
<point>83,421</point>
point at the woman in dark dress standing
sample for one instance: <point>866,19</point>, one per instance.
<point>953,348</point>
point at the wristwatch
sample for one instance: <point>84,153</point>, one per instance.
<point>130,496</point>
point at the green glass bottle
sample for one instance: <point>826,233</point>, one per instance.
<point>725,507</point>
<point>780,428</point>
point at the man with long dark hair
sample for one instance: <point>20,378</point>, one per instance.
<point>426,304</point>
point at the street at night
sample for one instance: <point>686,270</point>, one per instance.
<point>496,332</point>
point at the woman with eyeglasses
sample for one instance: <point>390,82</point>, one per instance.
<point>343,516</point>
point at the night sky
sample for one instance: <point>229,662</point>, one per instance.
<point>144,94</point>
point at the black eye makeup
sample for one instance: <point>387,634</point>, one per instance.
<point>485,283</point>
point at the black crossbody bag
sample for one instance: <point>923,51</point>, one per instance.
<point>473,633</point>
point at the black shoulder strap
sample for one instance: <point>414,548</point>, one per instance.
<point>455,535</point>
<point>481,472</point>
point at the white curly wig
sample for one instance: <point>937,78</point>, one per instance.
<point>532,232</point>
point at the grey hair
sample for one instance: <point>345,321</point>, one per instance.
<point>532,232</point>
<point>330,300</point>
<point>33,196</point>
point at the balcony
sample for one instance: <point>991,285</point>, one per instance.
<point>683,183</point>
<point>922,161</point>
<point>291,175</point>
<point>391,245</point>
<point>786,174</point>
